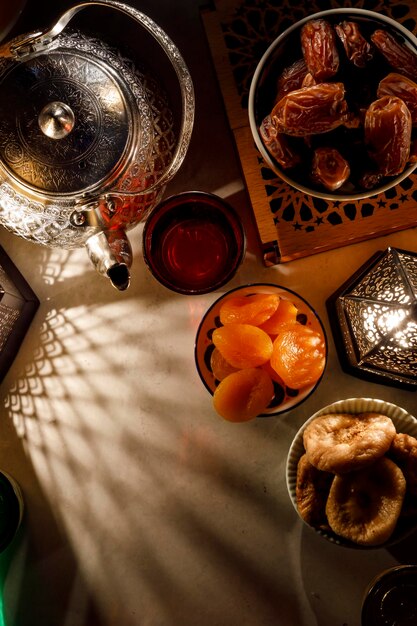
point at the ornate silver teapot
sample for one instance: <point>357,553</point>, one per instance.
<point>87,139</point>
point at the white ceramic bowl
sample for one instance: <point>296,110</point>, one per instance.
<point>286,49</point>
<point>283,400</point>
<point>404,423</point>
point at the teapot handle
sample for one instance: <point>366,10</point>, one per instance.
<point>40,41</point>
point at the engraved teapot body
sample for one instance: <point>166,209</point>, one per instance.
<point>87,139</point>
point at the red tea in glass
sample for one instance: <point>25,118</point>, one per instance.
<point>193,242</point>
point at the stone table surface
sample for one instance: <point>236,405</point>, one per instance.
<point>143,507</point>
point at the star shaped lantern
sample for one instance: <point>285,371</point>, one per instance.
<point>374,319</point>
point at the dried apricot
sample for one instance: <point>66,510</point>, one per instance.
<point>243,345</point>
<point>272,373</point>
<point>285,314</point>
<point>243,395</point>
<point>219,366</point>
<point>299,356</point>
<point>253,309</point>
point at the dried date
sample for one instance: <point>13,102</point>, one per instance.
<point>388,134</point>
<point>357,49</point>
<point>311,110</point>
<point>278,145</point>
<point>308,80</point>
<point>370,179</point>
<point>330,168</point>
<point>318,44</point>
<point>398,55</point>
<point>413,152</point>
<point>397,85</point>
<point>292,78</point>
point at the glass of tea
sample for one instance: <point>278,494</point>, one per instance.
<point>11,509</point>
<point>193,242</point>
<point>391,598</point>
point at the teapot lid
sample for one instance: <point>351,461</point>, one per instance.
<point>66,128</point>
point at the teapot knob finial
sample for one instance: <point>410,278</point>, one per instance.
<point>56,120</point>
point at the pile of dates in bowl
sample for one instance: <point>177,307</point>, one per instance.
<point>333,104</point>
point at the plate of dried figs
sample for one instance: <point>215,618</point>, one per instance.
<point>352,473</point>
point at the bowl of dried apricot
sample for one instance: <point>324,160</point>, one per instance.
<point>260,350</point>
<point>333,104</point>
<point>352,473</point>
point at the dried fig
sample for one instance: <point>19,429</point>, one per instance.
<point>344,442</point>
<point>403,452</point>
<point>364,506</point>
<point>312,490</point>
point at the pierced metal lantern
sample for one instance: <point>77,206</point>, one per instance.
<point>374,319</point>
<point>18,305</point>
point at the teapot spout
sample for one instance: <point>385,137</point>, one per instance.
<point>111,254</point>
<point>119,276</point>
